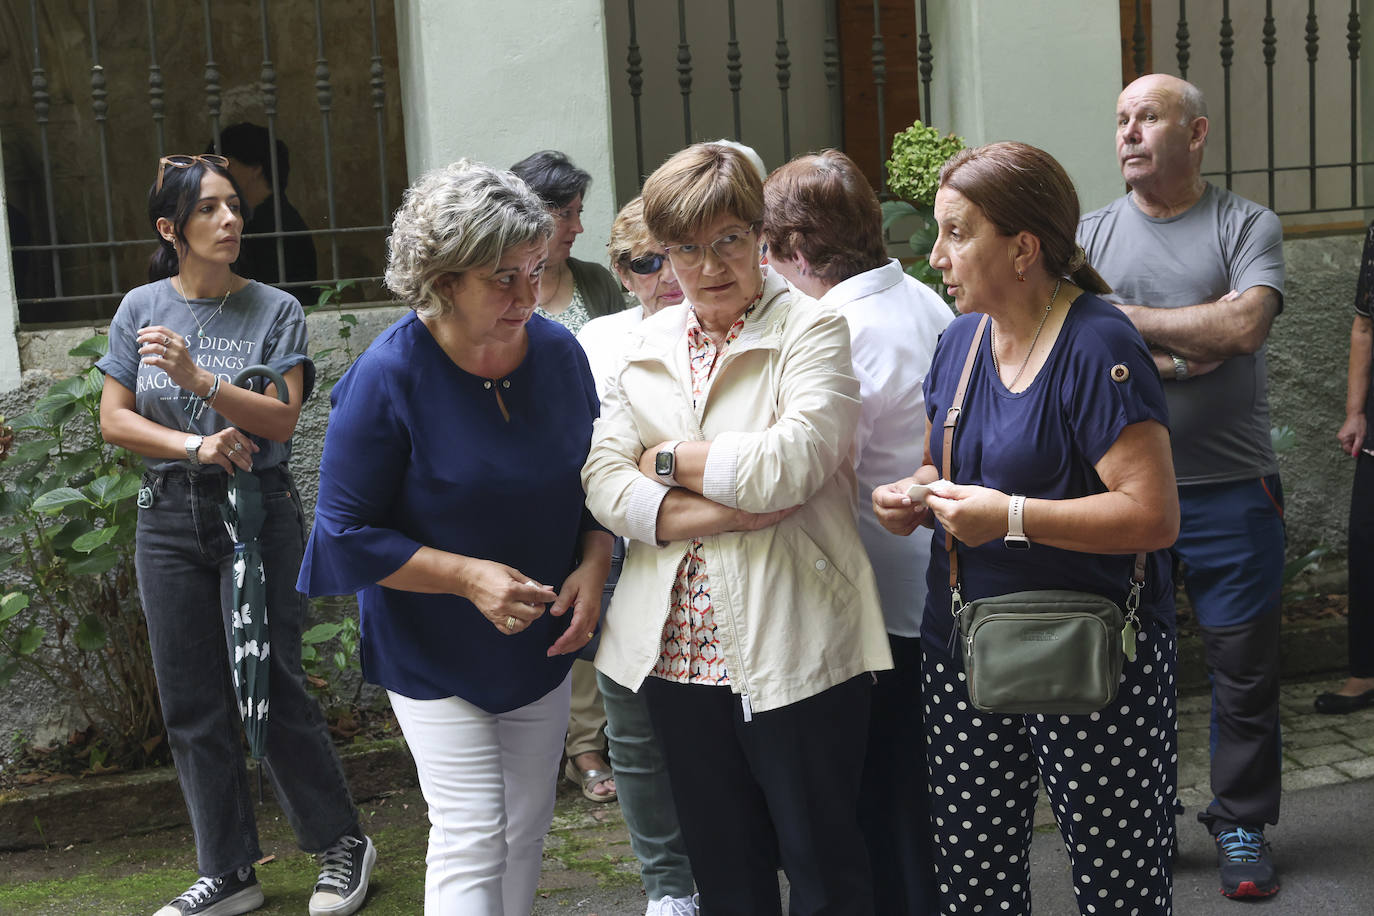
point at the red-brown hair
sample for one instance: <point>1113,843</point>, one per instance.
<point>822,207</point>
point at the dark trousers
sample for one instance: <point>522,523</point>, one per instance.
<point>184,559</point>
<point>1361,557</point>
<point>1231,544</point>
<point>780,788</point>
<point>894,801</point>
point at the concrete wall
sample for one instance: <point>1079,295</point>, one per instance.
<point>1007,70</point>
<point>496,80</point>
<point>9,307</point>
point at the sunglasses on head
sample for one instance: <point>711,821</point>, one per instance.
<point>185,162</point>
<point>648,263</point>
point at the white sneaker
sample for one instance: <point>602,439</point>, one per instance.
<point>673,906</point>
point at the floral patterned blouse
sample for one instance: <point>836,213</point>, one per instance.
<point>691,650</point>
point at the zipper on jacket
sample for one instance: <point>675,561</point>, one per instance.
<point>744,705</point>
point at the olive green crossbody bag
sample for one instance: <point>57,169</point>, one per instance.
<point>1050,651</point>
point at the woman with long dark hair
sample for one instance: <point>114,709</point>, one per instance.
<point>175,343</point>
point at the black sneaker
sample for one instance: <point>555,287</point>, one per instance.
<point>1246,868</point>
<point>228,895</point>
<point>345,869</point>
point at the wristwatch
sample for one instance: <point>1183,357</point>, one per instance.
<point>665,462</point>
<point>1180,368</point>
<point>1016,533</point>
<point>193,444</point>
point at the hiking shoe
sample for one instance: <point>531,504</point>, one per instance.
<point>227,895</point>
<point>345,869</point>
<point>673,906</point>
<point>1246,868</point>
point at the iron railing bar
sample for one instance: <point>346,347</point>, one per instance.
<point>1293,168</point>
<point>634,69</point>
<point>925,58</point>
<point>733,68</point>
<point>1270,44</point>
<point>101,108</point>
<point>684,72</point>
<point>1138,39</point>
<point>155,91</point>
<point>41,105</point>
<point>212,98</point>
<point>286,234</point>
<point>784,67</point>
<point>1227,41</point>
<point>268,88</point>
<point>834,93</point>
<point>1312,45</point>
<point>378,87</point>
<point>879,52</point>
<point>93,297</point>
<point>324,95</point>
<point>1181,39</point>
<point>1352,38</point>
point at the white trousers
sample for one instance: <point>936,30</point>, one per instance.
<point>489,781</point>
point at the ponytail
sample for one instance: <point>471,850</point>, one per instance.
<point>164,262</point>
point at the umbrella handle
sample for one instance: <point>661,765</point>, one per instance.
<point>267,372</point>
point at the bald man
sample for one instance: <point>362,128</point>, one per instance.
<point>1200,272</point>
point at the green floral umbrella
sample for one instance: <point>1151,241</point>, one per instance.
<point>244,514</point>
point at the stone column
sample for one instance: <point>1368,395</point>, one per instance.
<point>1044,73</point>
<point>496,80</point>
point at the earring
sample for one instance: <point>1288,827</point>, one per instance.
<point>1020,277</point>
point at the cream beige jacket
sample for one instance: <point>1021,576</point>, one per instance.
<point>796,606</point>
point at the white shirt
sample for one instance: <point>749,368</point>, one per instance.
<point>604,339</point>
<point>894,323</point>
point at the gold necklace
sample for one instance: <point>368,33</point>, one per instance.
<point>1029,350</point>
<point>200,328</point>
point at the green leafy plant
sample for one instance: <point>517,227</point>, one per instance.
<point>67,507</point>
<point>913,174</point>
<point>324,664</point>
<point>331,297</point>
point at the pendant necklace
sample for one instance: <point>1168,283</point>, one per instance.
<point>201,326</point>
<point>1029,350</point>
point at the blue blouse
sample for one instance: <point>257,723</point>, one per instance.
<point>419,454</point>
<point>1043,443</point>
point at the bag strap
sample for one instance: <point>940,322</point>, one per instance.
<point>952,416</point>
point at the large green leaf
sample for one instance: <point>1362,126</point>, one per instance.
<point>65,536</point>
<point>76,463</point>
<point>894,210</point>
<point>13,531</point>
<point>112,488</point>
<point>93,347</point>
<point>55,501</point>
<point>9,560</point>
<point>29,640</point>
<point>90,634</point>
<point>12,604</point>
<point>93,539</point>
<point>29,451</point>
<point>102,559</point>
<point>320,632</point>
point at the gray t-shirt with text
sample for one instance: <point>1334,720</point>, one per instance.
<point>1219,422</point>
<point>259,324</point>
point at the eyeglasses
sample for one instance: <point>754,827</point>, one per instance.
<point>185,162</point>
<point>732,247</point>
<point>647,264</point>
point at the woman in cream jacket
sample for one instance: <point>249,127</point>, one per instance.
<point>746,612</point>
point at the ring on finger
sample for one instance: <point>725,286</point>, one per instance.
<point>236,446</point>
<point>165,341</point>
<point>511,622</point>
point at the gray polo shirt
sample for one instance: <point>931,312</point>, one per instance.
<point>1219,422</point>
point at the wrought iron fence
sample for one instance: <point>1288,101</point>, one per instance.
<point>58,242</point>
<point>769,75</point>
<point>1321,92</point>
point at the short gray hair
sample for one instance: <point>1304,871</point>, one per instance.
<point>1191,104</point>
<point>454,219</point>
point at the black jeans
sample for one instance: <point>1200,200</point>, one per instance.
<point>1361,556</point>
<point>780,788</point>
<point>184,557</point>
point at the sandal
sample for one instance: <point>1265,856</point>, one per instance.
<point>587,779</point>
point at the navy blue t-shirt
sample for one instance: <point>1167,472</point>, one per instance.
<point>1043,442</point>
<point>418,454</point>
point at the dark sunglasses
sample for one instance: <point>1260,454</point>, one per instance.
<point>647,264</point>
<point>185,162</point>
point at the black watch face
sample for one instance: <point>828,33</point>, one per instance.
<point>1016,543</point>
<point>663,464</point>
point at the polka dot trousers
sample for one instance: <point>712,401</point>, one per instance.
<point>1111,778</point>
